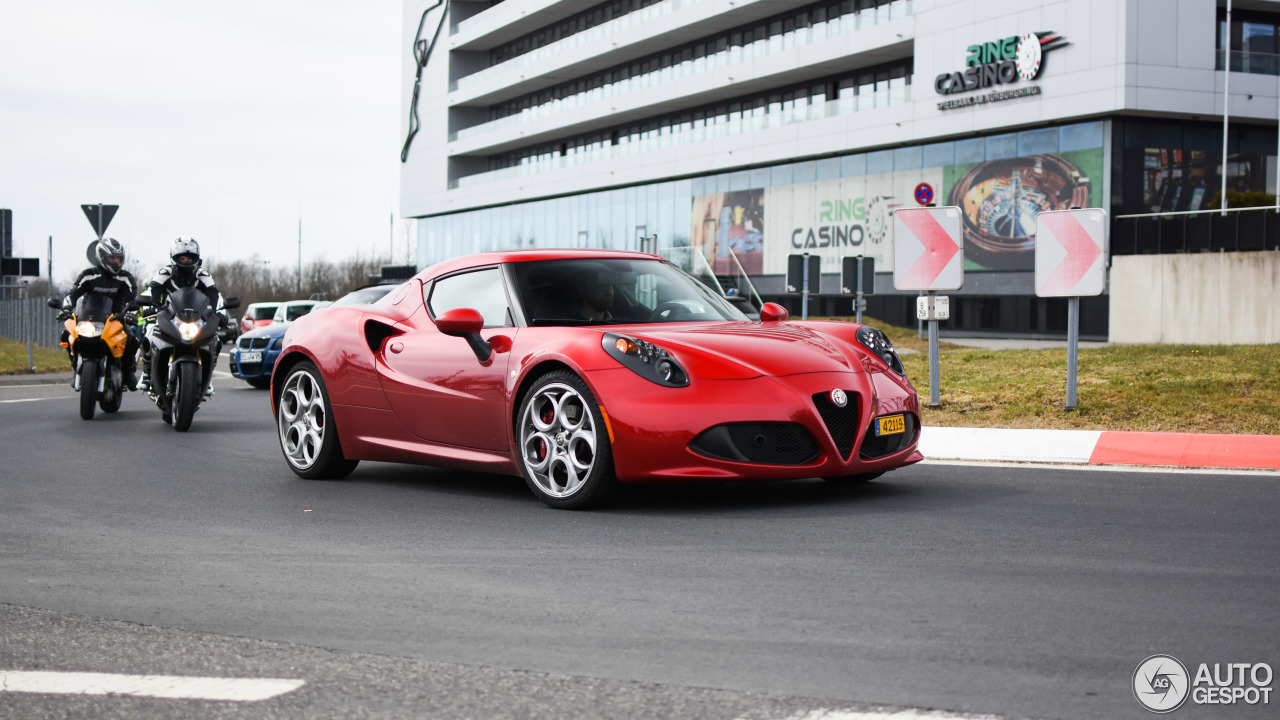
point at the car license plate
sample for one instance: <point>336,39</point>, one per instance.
<point>256,357</point>
<point>892,425</point>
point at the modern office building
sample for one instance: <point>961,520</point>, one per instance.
<point>742,131</point>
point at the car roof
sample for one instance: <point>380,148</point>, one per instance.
<point>511,256</point>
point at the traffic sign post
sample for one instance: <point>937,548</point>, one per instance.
<point>858,277</point>
<point>1071,261</point>
<point>928,254</point>
<point>804,276</point>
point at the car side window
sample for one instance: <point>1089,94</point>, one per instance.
<point>481,290</point>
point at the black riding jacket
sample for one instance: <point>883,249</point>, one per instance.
<point>166,281</point>
<point>122,288</point>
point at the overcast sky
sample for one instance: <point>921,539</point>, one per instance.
<point>223,121</point>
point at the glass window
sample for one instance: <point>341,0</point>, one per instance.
<point>480,290</point>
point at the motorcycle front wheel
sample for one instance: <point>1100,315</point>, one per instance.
<point>112,393</point>
<point>186,396</point>
<point>88,389</point>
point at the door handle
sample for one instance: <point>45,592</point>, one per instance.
<point>397,347</point>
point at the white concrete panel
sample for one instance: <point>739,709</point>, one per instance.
<point>1157,23</point>
<point>1059,446</point>
<point>1197,30</point>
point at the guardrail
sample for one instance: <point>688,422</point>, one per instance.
<point>1256,228</point>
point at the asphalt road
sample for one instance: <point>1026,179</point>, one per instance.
<point>1024,591</point>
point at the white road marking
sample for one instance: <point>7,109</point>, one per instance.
<point>32,399</point>
<point>904,714</point>
<point>156,686</point>
<point>1164,469</point>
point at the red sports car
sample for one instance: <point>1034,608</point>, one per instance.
<point>579,370</point>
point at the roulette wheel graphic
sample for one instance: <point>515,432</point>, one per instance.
<point>1000,200</point>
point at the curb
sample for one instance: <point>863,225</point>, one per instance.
<point>35,379</point>
<point>1102,447</point>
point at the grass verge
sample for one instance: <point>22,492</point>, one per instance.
<point>13,358</point>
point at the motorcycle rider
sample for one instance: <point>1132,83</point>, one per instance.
<point>183,271</point>
<point>108,277</point>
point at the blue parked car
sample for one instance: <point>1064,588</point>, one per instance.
<point>256,351</point>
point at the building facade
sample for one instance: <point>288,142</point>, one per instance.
<point>741,131</point>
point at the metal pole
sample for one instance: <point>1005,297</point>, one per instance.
<point>935,396</point>
<point>1073,345</point>
<point>31,331</point>
<point>1278,153</point>
<point>858,301</point>
<point>1226,101</point>
<point>804,289</point>
<point>299,255</point>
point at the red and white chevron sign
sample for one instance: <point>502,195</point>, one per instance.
<point>1071,252</point>
<point>928,249</point>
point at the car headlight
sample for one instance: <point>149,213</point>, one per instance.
<point>646,360</point>
<point>89,329</point>
<point>189,330</point>
<point>878,343</point>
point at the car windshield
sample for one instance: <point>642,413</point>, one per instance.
<point>293,312</point>
<point>264,313</point>
<point>365,296</point>
<point>611,291</point>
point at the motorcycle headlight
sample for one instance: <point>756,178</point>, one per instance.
<point>189,330</point>
<point>89,329</point>
<point>878,343</point>
<point>646,360</point>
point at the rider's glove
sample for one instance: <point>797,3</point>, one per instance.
<point>64,315</point>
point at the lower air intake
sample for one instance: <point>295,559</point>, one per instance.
<point>765,443</point>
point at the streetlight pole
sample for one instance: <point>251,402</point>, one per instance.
<point>299,255</point>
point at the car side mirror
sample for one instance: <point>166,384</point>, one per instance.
<point>773,312</point>
<point>467,324</point>
<point>231,303</point>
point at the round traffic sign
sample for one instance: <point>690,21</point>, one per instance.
<point>924,193</point>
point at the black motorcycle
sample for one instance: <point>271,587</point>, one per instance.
<point>184,346</point>
<point>96,340</point>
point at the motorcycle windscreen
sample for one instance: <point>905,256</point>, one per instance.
<point>188,304</point>
<point>92,307</point>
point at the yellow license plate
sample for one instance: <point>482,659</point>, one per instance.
<point>892,425</point>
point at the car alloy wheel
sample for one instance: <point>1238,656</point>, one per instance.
<point>564,446</point>
<point>302,420</point>
<point>308,437</point>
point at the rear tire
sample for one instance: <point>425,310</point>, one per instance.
<point>565,454</point>
<point>88,388</point>
<point>186,396</point>
<point>305,425</point>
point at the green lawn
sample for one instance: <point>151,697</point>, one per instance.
<point>13,358</point>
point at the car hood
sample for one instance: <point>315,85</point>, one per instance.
<point>272,330</point>
<point>748,349</point>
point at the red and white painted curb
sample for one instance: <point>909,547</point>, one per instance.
<point>1099,447</point>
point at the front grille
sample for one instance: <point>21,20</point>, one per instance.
<point>255,343</point>
<point>250,368</point>
<point>874,446</point>
<point>766,443</point>
<point>841,422</point>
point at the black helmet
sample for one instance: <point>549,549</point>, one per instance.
<point>110,255</point>
<point>185,254</point>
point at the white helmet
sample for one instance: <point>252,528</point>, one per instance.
<point>185,253</point>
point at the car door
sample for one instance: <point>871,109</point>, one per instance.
<point>437,386</point>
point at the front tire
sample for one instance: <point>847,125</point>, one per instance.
<point>308,437</point>
<point>186,396</point>
<point>88,388</point>
<point>112,395</point>
<point>564,444</point>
